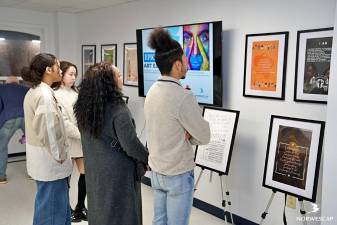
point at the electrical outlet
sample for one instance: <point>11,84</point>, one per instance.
<point>291,202</point>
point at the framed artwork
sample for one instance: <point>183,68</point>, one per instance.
<point>313,56</point>
<point>130,65</point>
<point>109,53</point>
<point>265,65</point>
<point>293,156</point>
<point>216,155</point>
<point>88,57</point>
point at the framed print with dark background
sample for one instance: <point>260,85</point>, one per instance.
<point>88,57</point>
<point>313,56</point>
<point>293,156</point>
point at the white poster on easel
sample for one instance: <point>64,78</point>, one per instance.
<point>216,155</point>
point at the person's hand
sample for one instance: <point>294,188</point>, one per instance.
<point>188,136</point>
<point>22,140</point>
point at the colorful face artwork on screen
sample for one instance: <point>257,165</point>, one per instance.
<point>196,46</point>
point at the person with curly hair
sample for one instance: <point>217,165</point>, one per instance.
<point>66,94</point>
<point>115,159</point>
<point>48,160</point>
<point>174,123</point>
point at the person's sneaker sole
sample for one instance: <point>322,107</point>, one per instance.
<point>3,181</point>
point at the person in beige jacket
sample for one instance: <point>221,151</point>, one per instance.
<point>66,95</point>
<point>48,160</point>
<point>174,123</point>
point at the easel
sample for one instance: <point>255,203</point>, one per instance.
<point>222,183</point>
<point>300,200</point>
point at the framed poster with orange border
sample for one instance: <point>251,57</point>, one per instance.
<point>265,65</point>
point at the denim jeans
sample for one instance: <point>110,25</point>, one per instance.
<point>173,198</point>
<point>6,133</point>
<point>52,203</point>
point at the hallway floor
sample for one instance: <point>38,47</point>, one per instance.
<point>17,200</point>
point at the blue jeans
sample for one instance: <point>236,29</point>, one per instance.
<point>173,198</point>
<point>52,203</point>
<point>6,133</point>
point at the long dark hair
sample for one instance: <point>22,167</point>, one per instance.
<point>168,50</point>
<point>64,66</point>
<point>97,90</point>
<point>34,73</point>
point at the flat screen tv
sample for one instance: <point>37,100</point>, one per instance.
<point>202,43</point>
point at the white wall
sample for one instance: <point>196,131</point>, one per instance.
<point>118,25</point>
<point>38,23</point>
<point>58,36</point>
<point>67,37</point>
<point>329,186</point>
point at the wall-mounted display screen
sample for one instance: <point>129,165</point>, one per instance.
<point>202,45</point>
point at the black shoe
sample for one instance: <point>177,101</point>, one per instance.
<point>81,213</point>
<point>84,214</point>
<point>75,217</point>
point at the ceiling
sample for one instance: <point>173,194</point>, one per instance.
<point>67,6</point>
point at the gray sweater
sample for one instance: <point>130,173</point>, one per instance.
<point>170,112</point>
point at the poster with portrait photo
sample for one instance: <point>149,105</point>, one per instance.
<point>216,155</point>
<point>293,156</point>
<point>130,67</point>
<point>88,57</point>
<point>313,58</point>
<point>265,65</point>
<point>196,40</point>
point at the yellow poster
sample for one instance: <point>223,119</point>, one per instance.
<point>264,65</point>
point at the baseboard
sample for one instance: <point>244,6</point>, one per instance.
<point>16,154</point>
<point>211,209</point>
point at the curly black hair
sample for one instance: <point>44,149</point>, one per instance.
<point>168,50</point>
<point>97,90</point>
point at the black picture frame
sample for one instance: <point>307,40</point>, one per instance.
<point>270,39</point>
<point>126,58</point>
<point>311,74</point>
<point>112,58</point>
<point>232,117</point>
<point>293,156</point>
<point>88,54</point>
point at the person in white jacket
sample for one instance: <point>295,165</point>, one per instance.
<point>66,94</point>
<point>48,161</point>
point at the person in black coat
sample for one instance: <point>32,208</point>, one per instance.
<point>115,159</point>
